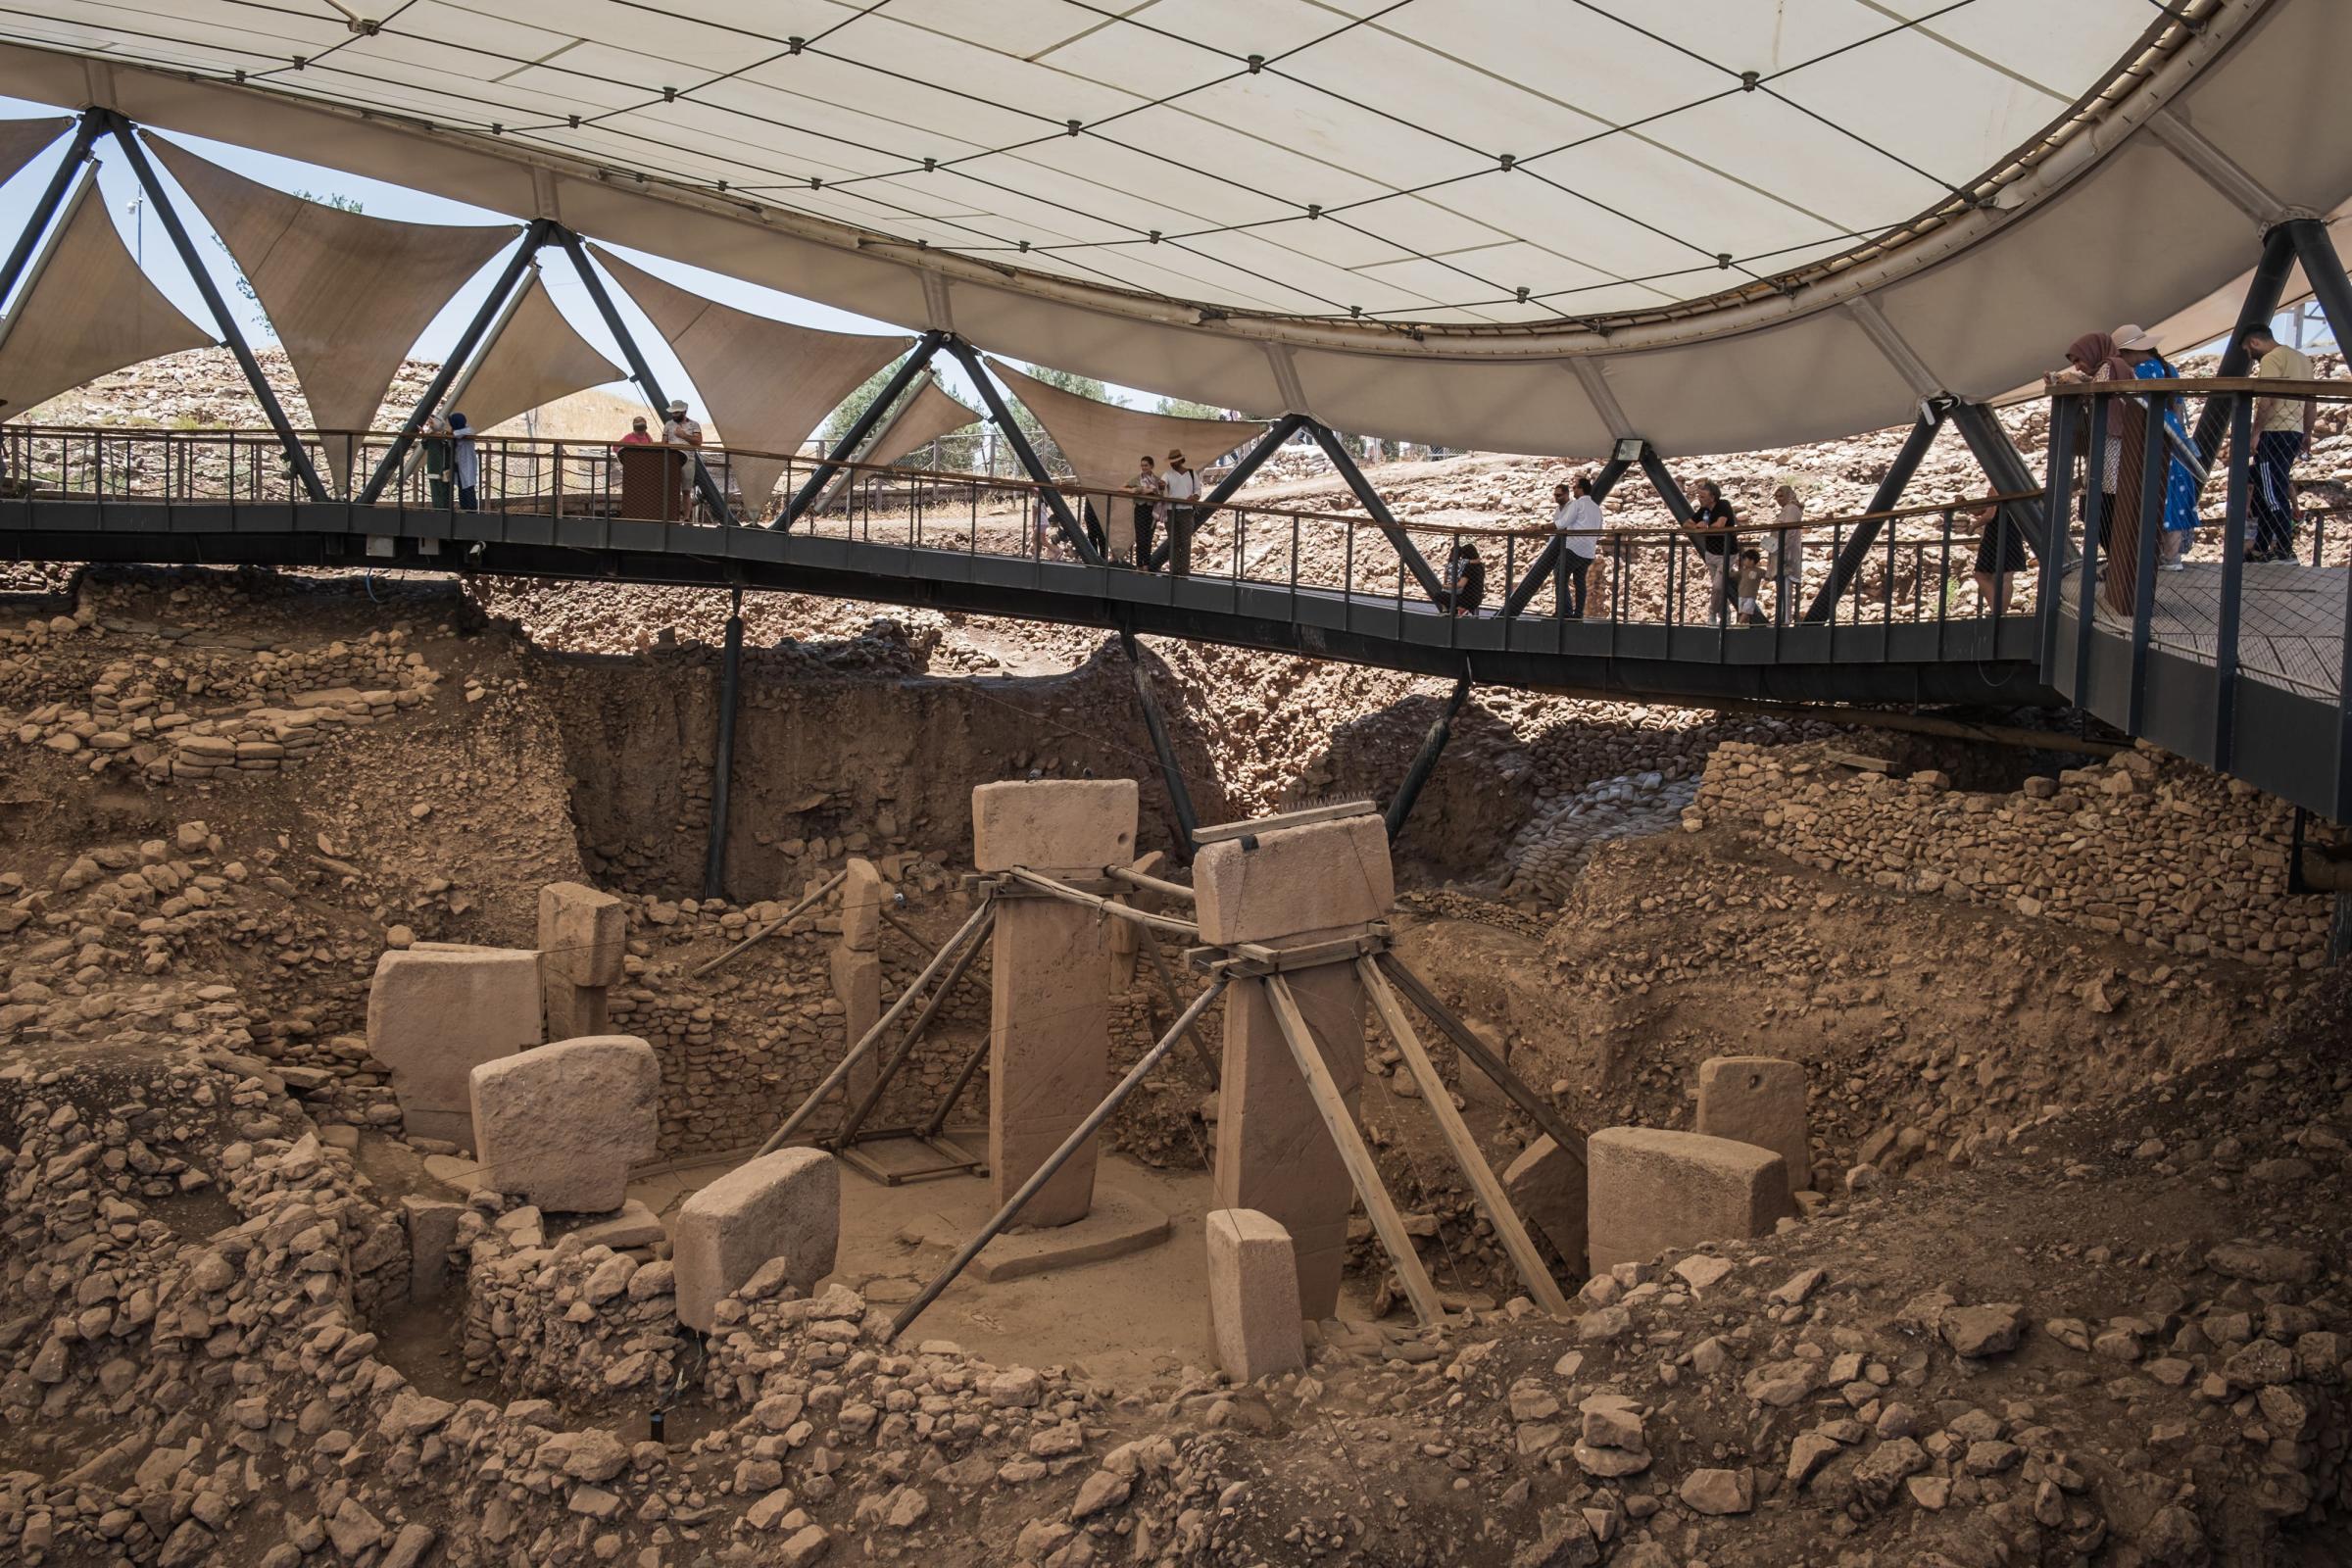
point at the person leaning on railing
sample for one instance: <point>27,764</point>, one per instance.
<point>1716,522</point>
<point>2282,430</point>
<point>2093,357</point>
<point>1576,517</point>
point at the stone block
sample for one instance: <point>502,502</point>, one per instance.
<point>560,1126</point>
<point>857,987</point>
<point>435,1011</point>
<point>1071,826</point>
<point>1650,1191</point>
<point>864,892</point>
<point>635,1226</point>
<point>1477,1088</point>
<point>1759,1101</point>
<point>1049,1054</point>
<point>574,1012</point>
<point>1546,1186</point>
<point>1254,1295</point>
<point>786,1204</point>
<point>1297,882</point>
<point>432,1226</point>
<point>583,933</point>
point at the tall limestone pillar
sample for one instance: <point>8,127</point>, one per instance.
<point>857,961</point>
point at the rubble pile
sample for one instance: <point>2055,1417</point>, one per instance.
<point>577,1321</point>
<point>2156,850</point>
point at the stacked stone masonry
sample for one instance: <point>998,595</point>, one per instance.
<point>2156,850</point>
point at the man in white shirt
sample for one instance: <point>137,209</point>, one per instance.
<point>1577,519</point>
<point>677,431</point>
<point>1183,488</point>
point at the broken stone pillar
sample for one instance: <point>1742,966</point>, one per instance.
<point>1254,1295</point>
<point>1048,1052</point>
<point>435,1013</point>
<point>559,1127</point>
<point>432,1225</point>
<point>786,1204</point>
<point>856,960</point>
<point>1298,885</point>
<point>1547,1187</point>
<point>583,939</point>
<point>1760,1101</point>
<point>1126,937</point>
<point>1652,1191</point>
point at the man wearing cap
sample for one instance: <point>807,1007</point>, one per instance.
<point>1183,488</point>
<point>2281,429</point>
<point>677,431</point>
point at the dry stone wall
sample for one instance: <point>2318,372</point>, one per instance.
<point>2156,850</point>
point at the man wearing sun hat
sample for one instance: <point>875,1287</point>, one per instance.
<point>1183,488</point>
<point>679,430</point>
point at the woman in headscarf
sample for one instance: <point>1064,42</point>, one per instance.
<point>2185,474</point>
<point>2093,357</point>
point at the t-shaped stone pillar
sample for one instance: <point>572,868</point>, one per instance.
<point>583,941</point>
<point>857,968</point>
<point>1297,886</point>
<point>1048,1052</point>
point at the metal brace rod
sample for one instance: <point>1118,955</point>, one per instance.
<point>863,426</point>
<point>915,1034</point>
<point>1432,746</point>
<point>1031,463</point>
<point>1890,493</point>
<point>1382,517</point>
<point>87,130</point>
<point>1054,1162</point>
<point>1547,1120</point>
<point>1155,725</point>
<point>1102,906</point>
<point>298,455</point>
<point>1168,986</point>
<point>773,926</point>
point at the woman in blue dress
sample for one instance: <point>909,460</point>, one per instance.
<point>2185,478</point>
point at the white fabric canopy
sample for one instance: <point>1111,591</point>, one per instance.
<point>85,310</point>
<point>535,359</point>
<point>1103,441</point>
<point>1914,195</point>
<point>765,383</point>
<point>347,294</point>
<point>920,421</point>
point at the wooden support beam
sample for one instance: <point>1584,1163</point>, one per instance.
<point>1168,986</point>
<point>915,1034</point>
<point>1062,889</point>
<point>1269,825</point>
<point>1515,1239</point>
<point>772,927</point>
<point>1546,1120</point>
<point>1354,1154</point>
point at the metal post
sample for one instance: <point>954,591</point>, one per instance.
<point>1031,463</point>
<point>1180,799</point>
<point>2234,577</point>
<point>2003,465</point>
<point>848,1130</point>
<point>722,768</point>
<point>1432,746</point>
<point>1886,498</point>
<point>1055,1162</point>
<point>2325,270</point>
<point>639,371</point>
<point>297,455</point>
<point>863,426</point>
<point>2059,484</point>
<point>2155,467</point>
<point>1383,518</point>
<point>492,310</point>
<point>44,208</point>
<point>2261,304</point>
<point>2094,512</point>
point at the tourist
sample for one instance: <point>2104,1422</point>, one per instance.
<point>1749,582</point>
<point>1465,580</point>
<point>1714,520</point>
<point>468,464</point>
<point>685,434</point>
<point>1147,488</point>
<point>1576,518</point>
<point>2092,358</point>
<point>2000,557</point>
<point>440,463</point>
<point>1786,557</point>
<point>1182,486</point>
<point>2281,429</point>
<point>637,436</point>
<point>2185,474</point>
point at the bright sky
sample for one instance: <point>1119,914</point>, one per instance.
<point>146,237</point>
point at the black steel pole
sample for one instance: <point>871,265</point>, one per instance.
<point>1432,746</point>
<point>722,767</point>
<point>639,371</point>
<point>863,426</point>
<point>533,236</point>
<point>1531,581</point>
<point>1382,517</point>
<point>2004,466</point>
<point>85,131</point>
<point>1024,453</point>
<point>2263,293</point>
<point>1238,474</point>
<point>2324,268</point>
<point>1889,494</point>
<point>298,455</point>
<point>1180,799</point>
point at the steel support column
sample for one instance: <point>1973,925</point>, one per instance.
<point>1888,494</point>
<point>846,449</point>
<point>2324,268</point>
<point>2263,293</point>
<point>1289,425</point>
<point>722,767</point>
<point>1031,463</point>
<point>85,131</point>
<point>1432,746</point>
<point>639,370</point>
<point>2004,466</point>
<point>298,455</point>
<point>1531,581</point>
<point>493,305</point>
<point>1171,773</point>
<point>1382,517</point>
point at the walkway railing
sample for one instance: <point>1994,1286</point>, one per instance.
<point>1921,566</point>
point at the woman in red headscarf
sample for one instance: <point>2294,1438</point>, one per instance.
<point>2093,357</point>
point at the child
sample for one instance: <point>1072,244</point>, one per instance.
<point>1751,578</point>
